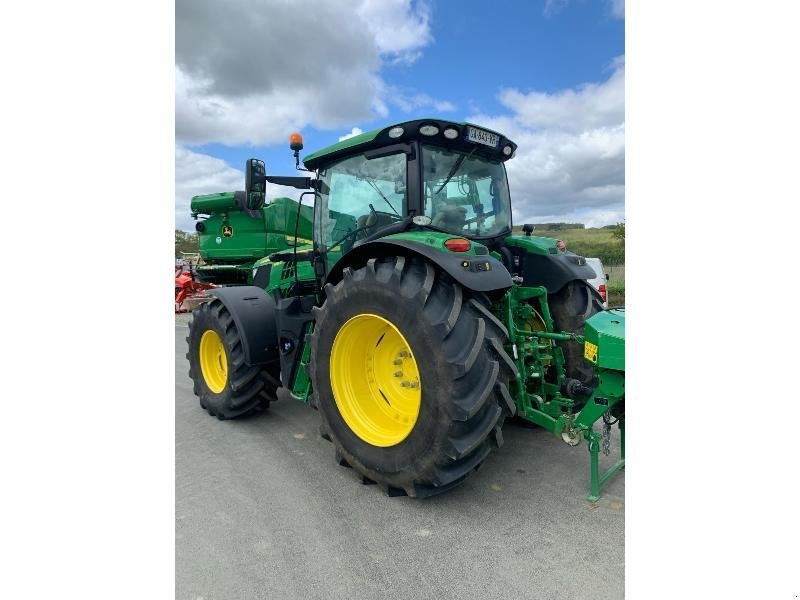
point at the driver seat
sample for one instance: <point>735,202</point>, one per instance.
<point>450,217</point>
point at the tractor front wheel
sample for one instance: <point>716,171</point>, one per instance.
<point>410,375</point>
<point>224,384</point>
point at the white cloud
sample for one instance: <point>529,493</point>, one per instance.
<point>590,105</point>
<point>197,173</point>
<point>248,72</point>
<point>570,163</point>
<point>552,7</point>
<point>401,29</point>
<point>353,133</point>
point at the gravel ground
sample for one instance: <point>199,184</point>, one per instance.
<point>262,511</point>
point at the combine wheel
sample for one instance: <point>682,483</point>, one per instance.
<point>570,307</point>
<point>410,375</point>
<point>225,385</point>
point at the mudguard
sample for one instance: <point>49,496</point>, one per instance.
<point>253,311</point>
<point>479,273</point>
<point>554,271</point>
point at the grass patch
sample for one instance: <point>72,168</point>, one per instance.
<point>616,293</point>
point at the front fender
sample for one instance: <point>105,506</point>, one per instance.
<point>253,311</point>
<point>554,271</point>
<point>479,273</point>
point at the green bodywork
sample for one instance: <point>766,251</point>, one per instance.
<point>232,240</point>
<point>532,244</point>
<point>351,142</point>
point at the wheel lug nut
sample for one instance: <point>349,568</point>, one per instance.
<point>405,384</point>
<point>397,361</point>
<point>398,373</point>
<point>403,354</point>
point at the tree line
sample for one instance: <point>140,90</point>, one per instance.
<point>185,242</point>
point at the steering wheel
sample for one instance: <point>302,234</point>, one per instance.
<point>377,213</point>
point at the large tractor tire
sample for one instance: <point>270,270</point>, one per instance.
<point>226,386</point>
<point>410,376</point>
<point>570,307</point>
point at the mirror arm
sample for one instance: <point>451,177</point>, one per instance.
<point>301,183</point>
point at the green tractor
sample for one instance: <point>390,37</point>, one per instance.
<point>402,309</point>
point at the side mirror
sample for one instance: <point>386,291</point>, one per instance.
<point>255,183</point>
<point>607,277</point>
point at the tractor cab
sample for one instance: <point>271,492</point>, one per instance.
<point>446,176</point>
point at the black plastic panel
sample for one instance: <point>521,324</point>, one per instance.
<point>479,273</point>
<point>253,311</point>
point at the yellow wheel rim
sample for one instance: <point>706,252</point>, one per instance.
<point>213,361</point>
<point>375,380</point>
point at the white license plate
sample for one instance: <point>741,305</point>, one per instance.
<point>482,137</point>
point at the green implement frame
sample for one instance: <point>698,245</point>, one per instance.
<point>539,395</point>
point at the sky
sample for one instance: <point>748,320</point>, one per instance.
<point>548,74</point>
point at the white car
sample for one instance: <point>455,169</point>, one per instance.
<point>599,282</point>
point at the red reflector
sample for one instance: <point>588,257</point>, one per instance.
<point>457,245</point>
<point>603,292</point>
<point>561,246</point>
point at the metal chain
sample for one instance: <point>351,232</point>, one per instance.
<point>606,434</point>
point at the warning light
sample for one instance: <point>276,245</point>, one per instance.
<point>296,142</point>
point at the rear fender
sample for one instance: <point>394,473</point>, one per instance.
<point>478,273</point>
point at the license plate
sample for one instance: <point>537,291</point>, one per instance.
<point>482,137</point>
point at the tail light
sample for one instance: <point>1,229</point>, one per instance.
<point>602,290</point>
<point>458,245</point>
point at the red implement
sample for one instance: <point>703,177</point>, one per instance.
<point>186,286</point>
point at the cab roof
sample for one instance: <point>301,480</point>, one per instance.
<point>378,138</point>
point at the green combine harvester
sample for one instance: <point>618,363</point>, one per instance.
<point>232,236</point>
<point>399,305</point>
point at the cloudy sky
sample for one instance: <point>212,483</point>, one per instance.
<point>549,74</point>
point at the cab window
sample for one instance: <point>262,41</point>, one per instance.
<point>358,198</point>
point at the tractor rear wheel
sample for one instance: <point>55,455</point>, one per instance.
<point>410,376</point>
<point>224,384</point>
<point>570,307</point>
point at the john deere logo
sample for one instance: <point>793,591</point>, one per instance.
<point>227,231</point>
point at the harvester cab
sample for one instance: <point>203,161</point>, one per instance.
<point>406,312</point>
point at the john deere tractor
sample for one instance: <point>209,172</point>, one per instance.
<point>412,319</point>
